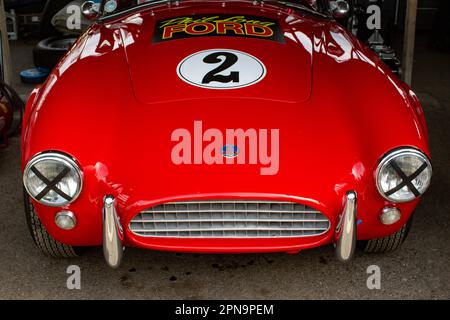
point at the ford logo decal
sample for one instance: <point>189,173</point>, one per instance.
<point>230,151</point>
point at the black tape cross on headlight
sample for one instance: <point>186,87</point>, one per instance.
<point>51,185</point>
<point>406,180</point>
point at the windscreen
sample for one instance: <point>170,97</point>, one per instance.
<point>112,7</point>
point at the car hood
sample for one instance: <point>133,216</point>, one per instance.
<point>115,101</point>
<point>153,62</point>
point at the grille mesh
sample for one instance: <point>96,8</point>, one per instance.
<point>230,219</point>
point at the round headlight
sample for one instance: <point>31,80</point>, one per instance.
<point>403,175</point>
<point>53,179</point>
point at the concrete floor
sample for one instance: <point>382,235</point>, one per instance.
<point>420,270</point>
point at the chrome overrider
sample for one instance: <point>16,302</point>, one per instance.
<point>112,233</point>
<point>346,229</point>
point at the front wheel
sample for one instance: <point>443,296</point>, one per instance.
<point>43,240</point>
<point>386,244</point>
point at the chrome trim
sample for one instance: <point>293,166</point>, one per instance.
<point>69,214</point>
<point>90,10</point>
<point>392,155</point>
<point>145,5</point>
<point>341,9</point>
<point>112,233</point>
<point>66,160</point>
<point>346,229</point>
<point>230,219</point>
<point>388,210</point>
<point>130,10</point>
<point>231,211</point>
<point>228,229</point>
<point>231,201</point>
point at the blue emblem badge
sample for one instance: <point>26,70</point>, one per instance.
<point>230,151</point>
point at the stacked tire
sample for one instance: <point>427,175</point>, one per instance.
<point>54,45</point>
<point>49,51</point>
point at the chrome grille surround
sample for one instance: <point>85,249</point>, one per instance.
<point>230,219</point>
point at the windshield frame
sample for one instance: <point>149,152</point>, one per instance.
<point>288,4</point>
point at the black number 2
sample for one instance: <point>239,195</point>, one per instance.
<point>230,60</point>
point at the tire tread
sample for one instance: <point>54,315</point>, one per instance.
<point>389,243</point>
<point>43,240</point>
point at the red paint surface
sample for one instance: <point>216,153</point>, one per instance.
<point>114,100</point>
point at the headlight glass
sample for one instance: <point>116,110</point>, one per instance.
<point>403,175</point>
<point>53,179</point>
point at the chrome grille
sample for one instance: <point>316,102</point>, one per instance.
<point>230,219</point>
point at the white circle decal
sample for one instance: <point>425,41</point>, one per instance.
<point>221,69</point>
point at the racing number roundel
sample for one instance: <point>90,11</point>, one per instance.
<point>221,69</point>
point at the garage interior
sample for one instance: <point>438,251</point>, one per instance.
<point>419,270</point>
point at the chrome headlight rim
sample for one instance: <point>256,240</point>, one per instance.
<point>387,158</point>
<point>67,160</point>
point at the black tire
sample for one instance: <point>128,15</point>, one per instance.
<point>48,52</point>
<point>386,244</point>
<point>43,240</point>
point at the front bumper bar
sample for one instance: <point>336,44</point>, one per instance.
<point>113,233</point>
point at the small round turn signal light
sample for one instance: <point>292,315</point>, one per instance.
<point>66,220</point>
<point>390,216</point>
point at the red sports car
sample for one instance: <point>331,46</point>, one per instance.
<point>221,127</point>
